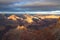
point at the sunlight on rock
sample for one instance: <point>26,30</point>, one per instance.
<point>13,17</point>
<point>21,27</point>
<point>49,16</point>
<point>28,18</point>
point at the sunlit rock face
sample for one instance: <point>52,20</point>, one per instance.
<point>13,17</point>
<point>15,20</point>
<point>47,16</point>
<point>21,27</point>
<point>50,16</point>
<point>28,18</point>
<point>36,19</point>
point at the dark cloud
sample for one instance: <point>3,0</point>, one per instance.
<point>31,3</point>
<point>36,3</point>
<point>9,1</point>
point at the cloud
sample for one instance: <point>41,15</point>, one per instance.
<point>35,3</point>
<point>10,1</point>
<point>27,3</point>
<point>40,3</point>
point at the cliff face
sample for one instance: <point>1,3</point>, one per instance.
<point>37,29</point>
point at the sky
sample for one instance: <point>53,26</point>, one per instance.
<point>30,2</point>
<point>15,4</point>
